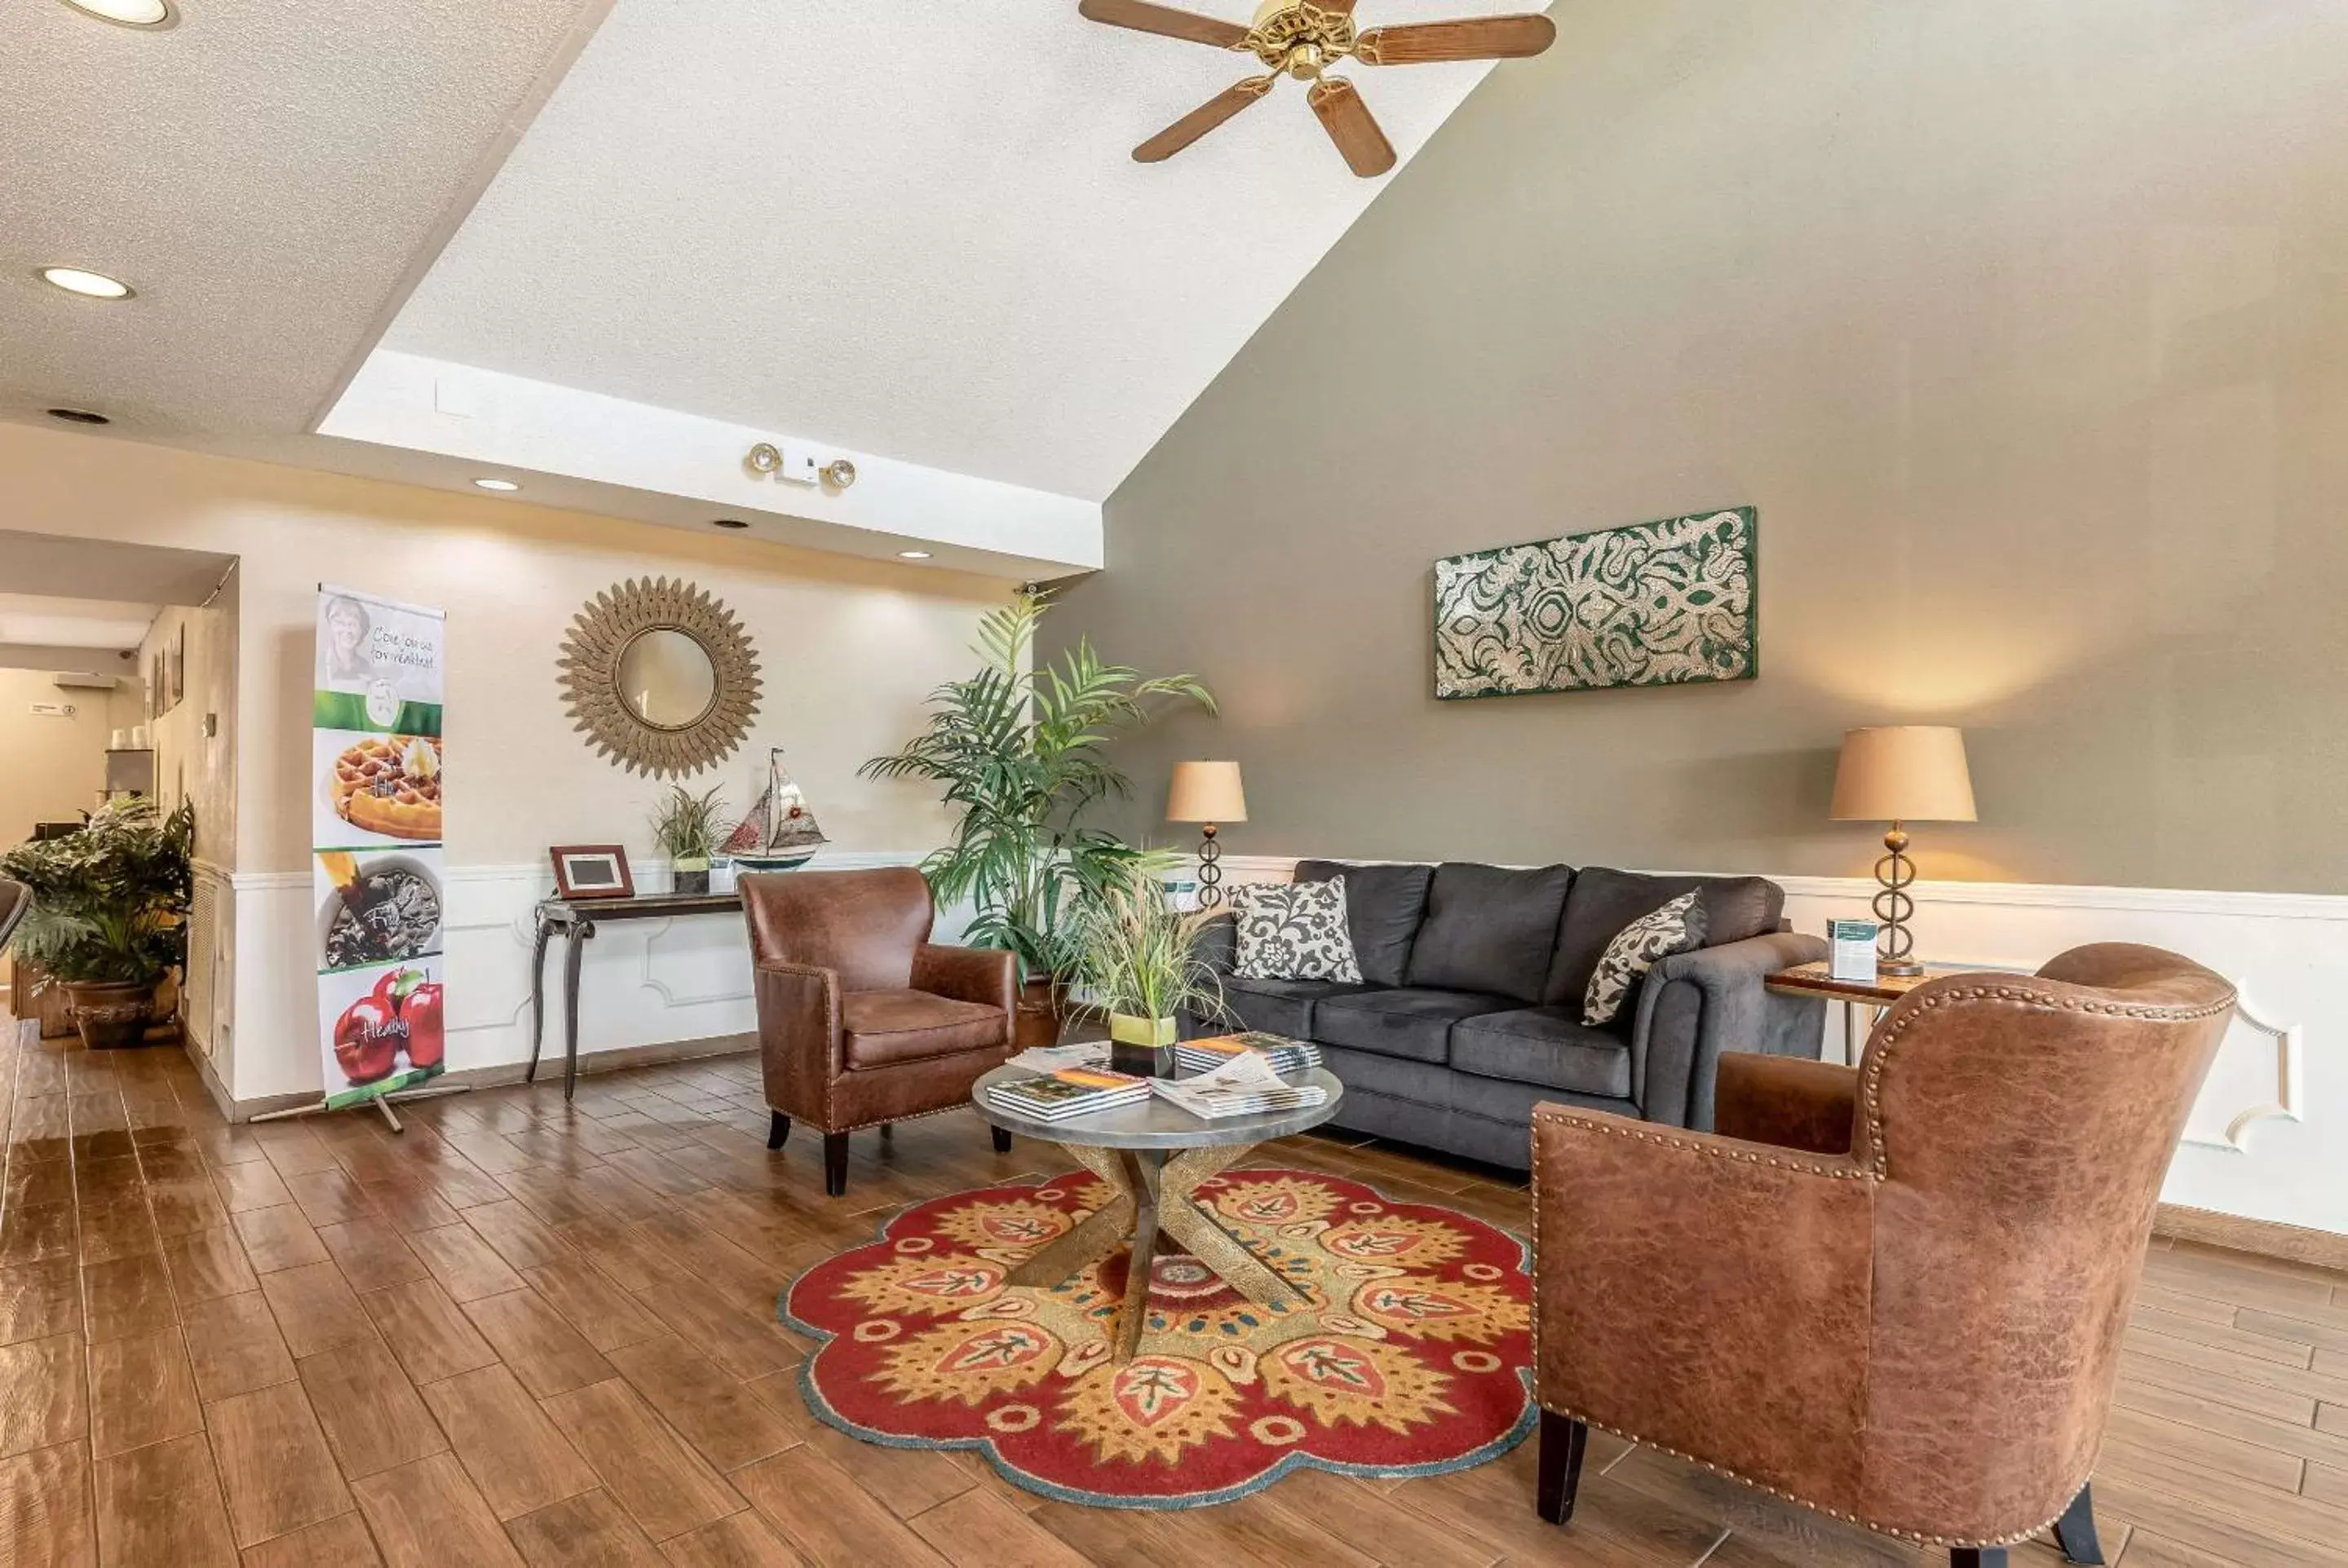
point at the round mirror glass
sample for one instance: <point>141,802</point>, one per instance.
<point>667,679</point>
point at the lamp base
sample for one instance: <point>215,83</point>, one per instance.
<point>1898,969</point>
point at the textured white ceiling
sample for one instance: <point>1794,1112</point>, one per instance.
<point>910,226</point>
<point>264,172</point>
<point>30,618</point>
<point>54,566</point>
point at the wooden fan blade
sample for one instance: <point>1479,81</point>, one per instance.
<point>1349,125</point>
<point>1476,39</point>
<point>1201,120</point>
<point>1165,21</point>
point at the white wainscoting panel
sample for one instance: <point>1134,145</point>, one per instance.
<point>642,982</point>
<point>2267,1139</point>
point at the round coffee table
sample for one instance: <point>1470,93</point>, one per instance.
<point>1154,1155</point>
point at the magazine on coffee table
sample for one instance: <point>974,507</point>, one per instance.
<point>1070,1092</point>
<point>1244,1086</point>
<point>1284,1054</point>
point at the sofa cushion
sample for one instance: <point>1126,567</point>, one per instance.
<point>1413,1022</point>
<point>1492,930</point>
<point>1365,1072</point>
<point>1505,1100</point>
<point>1383,907</point>
<point>1275,1006</point>
<point>1677,927</point>
<point>1549,1046</point>
<point>1294,931</point>
<point>1604,901</point>
<point>882,1028</point>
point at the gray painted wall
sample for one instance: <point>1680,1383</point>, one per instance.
<point>2025,326</point>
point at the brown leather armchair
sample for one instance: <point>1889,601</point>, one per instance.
<point>862,1021</point>
<point>1894,1293</point>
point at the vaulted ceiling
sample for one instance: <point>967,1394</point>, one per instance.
<point>909,232</point>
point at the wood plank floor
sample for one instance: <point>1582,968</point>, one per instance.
<point>518,1334</point>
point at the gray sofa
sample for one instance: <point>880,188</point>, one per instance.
<point>1470,1012</point>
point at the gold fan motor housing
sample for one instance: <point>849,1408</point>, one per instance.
<point>1299,38</point>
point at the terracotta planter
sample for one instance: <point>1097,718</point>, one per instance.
<point>1042,1007</point>
<point>110,1014</point>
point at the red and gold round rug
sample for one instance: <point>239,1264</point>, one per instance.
<point>1409,1353</point>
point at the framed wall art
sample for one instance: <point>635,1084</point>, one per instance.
<point>1648,604</point>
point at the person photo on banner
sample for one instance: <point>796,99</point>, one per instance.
<point>347,641</point>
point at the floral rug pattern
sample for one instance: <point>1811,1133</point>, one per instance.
<point>1407,1354</point>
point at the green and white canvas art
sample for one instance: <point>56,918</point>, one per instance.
<point>1650,604</point>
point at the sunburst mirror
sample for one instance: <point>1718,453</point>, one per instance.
<point>660,677</point>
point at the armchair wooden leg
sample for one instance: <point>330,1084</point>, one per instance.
<point>1002,1140</point>
<point>834,1163</point>
<point>2075,1532</point>
<point>777,1129</point>
<point>1563,1440</point>
<point>1976,1557</point>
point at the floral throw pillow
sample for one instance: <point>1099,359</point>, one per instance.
<point>1677,927</point>
<point>1294,931</point>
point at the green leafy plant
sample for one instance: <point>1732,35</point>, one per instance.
<point>1021,752</point>
<point>110,902</point>
<point>1138,955</point>
<point>689,827</point>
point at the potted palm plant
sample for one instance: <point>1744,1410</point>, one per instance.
<point>109,921</point>
<point>1020,752</point>
<point>688,828</point>
<point>1138,962</point>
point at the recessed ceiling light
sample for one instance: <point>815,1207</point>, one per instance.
<point>727,523</point>
<point>79,416</point>
<point>500,486</point>
<point>130,12</point>
<point>912,555</point>
<point>89,285</point>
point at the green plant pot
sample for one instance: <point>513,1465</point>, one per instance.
<point>111,1015</point>
<point>1141,1046</point>
<point>690,876</point>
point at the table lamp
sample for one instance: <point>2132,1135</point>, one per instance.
<point>1900,773</point>
<point>1207,793</point>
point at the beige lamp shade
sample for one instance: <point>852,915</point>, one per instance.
<point>1903,772</point>
<point>1206,792</point>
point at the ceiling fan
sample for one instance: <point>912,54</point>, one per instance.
<point>1303,38</point>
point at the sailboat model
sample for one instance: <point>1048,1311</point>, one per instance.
<point>780,833</point>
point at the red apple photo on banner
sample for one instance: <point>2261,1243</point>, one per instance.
<point>387,1027</point>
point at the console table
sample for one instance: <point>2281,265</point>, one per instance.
<point>577,919</point>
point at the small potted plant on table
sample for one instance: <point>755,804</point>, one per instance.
<point>109,921</point>
<point>688,828</point>
<point>1138,962</point>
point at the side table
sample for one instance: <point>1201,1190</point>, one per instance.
<point>1813,980</point>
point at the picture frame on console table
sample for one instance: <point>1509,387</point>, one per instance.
<point>592,871</point>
